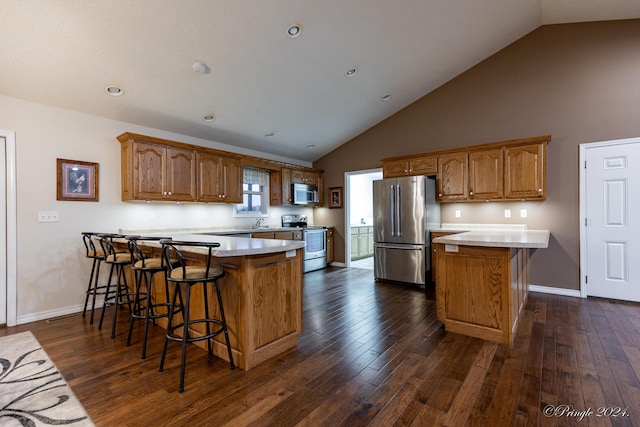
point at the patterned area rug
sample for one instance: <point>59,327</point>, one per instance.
<point>32,390</point>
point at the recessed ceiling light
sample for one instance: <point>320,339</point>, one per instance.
<point>114,91</point>
<point>351,72</point>
<point>294,31</point>
<point>200,67</point>
<point>209,117</point>
<point>311,147</point>
<point>386,97</point>
<point>269,134</point>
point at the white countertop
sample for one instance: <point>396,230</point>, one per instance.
<point>232,246</point>
<point>498,238</point>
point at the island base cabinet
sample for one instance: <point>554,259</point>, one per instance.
<point>480,290</point>
<point>262,298</point>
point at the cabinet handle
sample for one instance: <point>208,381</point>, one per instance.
<point>471,193</point>
<point>539,190</point>
<point>439,194</point>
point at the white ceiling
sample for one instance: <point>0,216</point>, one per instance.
<point>65,52</point>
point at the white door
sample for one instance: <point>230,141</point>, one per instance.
<point>611,264</point>
<point>3,234</point>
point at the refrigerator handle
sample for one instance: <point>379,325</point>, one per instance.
<point>398,211</point>
<point>393,210</point>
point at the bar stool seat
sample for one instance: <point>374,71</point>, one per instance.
<point>188,276</point>
<point>144,267</point>
<point>118,261</point>
<point>96,254</point>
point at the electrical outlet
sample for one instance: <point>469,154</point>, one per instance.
<point>523,213</point>
<point>151,216</point>
<point>507,213</point>
<point>48,216</point>
<point>458,214</point>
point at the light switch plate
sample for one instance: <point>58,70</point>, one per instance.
<point>48,216</point>
<point>507,213</point>
<point>458,213</point>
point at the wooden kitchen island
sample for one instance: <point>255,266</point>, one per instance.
<point>482,280</point>
<point>261,292</point>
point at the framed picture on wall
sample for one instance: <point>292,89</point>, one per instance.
<point>77,180</point>
<point>335,197</point>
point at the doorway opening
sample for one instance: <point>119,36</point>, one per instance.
<point>8,229</point>
<point>359,217</point>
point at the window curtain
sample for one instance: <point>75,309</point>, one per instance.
<point>255,176</point>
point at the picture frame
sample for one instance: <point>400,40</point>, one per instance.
<point>335,197</point>
<point>77,180</point>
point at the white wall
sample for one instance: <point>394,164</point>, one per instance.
<point>52,269</point>
<point>361,197</point>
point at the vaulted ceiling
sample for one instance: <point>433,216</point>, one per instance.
<point>267,91</point>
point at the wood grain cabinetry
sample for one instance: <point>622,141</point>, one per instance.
<point>219,178</point>
<point>525,171</point>
<point>157,172</point>
<point>481,290</point>
<point>434,250</point>
<point>453,181</point>
<point>159,169</point>
<point>506,170</point>
<point>427,165</point>
<point>280,184</point>
<point>330,253</point>
<point>280,235</point>
<point>262,297</point>
<point>486,174</point>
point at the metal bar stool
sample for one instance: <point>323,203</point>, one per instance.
<point>144,267</point>
<point>118,261</point>
<point>96,254</point>
<point>187,276</point>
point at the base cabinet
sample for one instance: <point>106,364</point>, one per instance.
<point>480,291</point>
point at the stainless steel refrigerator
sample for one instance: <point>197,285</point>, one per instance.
<point>404,213</point>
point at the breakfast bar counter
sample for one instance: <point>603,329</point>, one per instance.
<point>482,279</point>
<point>261,292</point>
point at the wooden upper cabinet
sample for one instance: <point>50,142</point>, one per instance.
<point>395,168</point>
<point>486,174</point>
<point>303,176</point>
<point>156,172</point>
<point>525,170</point>
<point>181,177</point>
<point>453,177</point>
<point>280,184</point>
<point>498,171</point>
<point>427,165</point>
<point>219,178</point>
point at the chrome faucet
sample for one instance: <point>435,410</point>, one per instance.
<point>258,223</point>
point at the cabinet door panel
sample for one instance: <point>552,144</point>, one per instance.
<point>395,168</point>
<point>148,173</point>
<point>231,180</point>
<point>423,166</point>
<point>486,174</point>
<point>452,176</point>
<point>181,182</point>
<point>525,172</point>
<point>207,177</point>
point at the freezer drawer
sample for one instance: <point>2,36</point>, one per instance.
<point>400,263</point>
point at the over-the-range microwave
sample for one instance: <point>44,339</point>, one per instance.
<point>304,194</point>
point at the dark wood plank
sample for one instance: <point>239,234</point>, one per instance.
<point>371,354</point>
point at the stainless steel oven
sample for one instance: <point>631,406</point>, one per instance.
<point>315,238</point>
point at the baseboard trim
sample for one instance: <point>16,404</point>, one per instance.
<point>44,315</point>
<point>555,291</point>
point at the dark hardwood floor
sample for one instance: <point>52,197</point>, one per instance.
<point>371,354</point>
